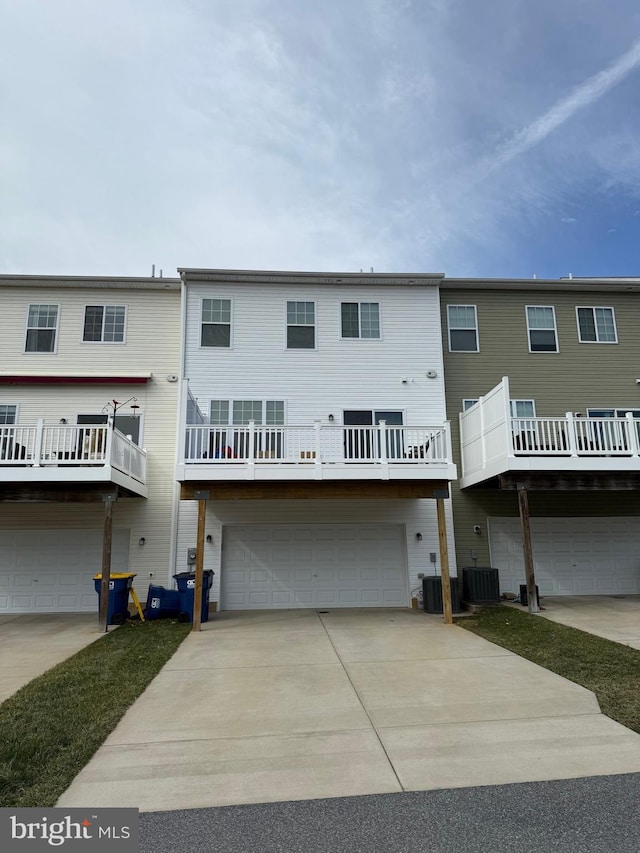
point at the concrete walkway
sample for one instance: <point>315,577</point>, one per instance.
<point>288,705</point>
<point>33,643</point>
<point>614,617</point>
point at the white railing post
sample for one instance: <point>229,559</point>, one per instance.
<point>317,439</point>
<point>382,439</point>
<point>572,439</point>
<point>109,447</point>
<point>448,447</point>
<point>507,419</point>
<point>182,424</point>
<point>251,452</point>
<point>632,424</point>
<point>37,447</point>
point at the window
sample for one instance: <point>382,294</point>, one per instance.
<point>360,320</point>
<point>612,413</point>
<point>522,408</point>
<point>596,326</point>
<point>240,412</point>
<point>104,324</point>
<point>541,323</point>
<point>216,323</point>
<point>8,414</point>
<point>467,403</point>
<point>301,330</point>
<point>463,328</point>
<point>230,438</point>
<point>42,324</point>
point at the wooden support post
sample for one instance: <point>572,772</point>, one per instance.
<point>106,563</point>
<point>447,608</point>
<point>529,566</point>
<point>197,592</point>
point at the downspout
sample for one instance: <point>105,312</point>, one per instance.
<point>175,500</point>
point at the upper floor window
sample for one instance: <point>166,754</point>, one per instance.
<point>216,323</point>
<point>8,414</point>
<point>240,412</point>
<point>541,323</point>
<point>104,324</point>
<point>468,402</point>
<point>463,328</point>
<point>522,408</point>
<point>596,325</point>
<point>42,325</point>
<point>301,325</point>
<point>360,320</point>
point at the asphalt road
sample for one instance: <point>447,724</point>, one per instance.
<point>600,814</point>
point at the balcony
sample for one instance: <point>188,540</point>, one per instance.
<point>494,443</point>
<point>316,452</point>
<point>71,454</point>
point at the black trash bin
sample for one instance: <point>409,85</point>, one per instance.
<point>524,596</point>
<point>186,587</point>
<point>432,595</point>
<point>118,602</point>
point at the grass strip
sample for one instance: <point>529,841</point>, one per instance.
<point>610,669</point>
<point>52,726</point>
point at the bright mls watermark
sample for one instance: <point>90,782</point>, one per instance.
<point>69,829</point>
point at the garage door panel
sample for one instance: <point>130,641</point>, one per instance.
<point>50,571</point>
<point>343,566</point>
<point>573,556</point>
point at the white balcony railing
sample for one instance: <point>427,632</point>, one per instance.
<point>492,441</point>
<point>39,445</point>
<point>317,443</point>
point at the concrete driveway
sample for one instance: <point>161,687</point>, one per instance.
<point>616,617</point>
<point>33,643</point>
<point>285,705</point>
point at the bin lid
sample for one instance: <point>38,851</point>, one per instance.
<point>118,575</point>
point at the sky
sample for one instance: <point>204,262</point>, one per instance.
<point>485,139</point>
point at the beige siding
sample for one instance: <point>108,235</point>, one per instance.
<point>153,345</point>
<point>578,377</point>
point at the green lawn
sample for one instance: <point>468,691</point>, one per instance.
<point>53,725</point>
<point>610,669</point>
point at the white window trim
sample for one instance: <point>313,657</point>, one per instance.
<point>529,330</point>
<point>618,411</point>
<point>105,305</point>
<point>315,327</point>
<point>16,406</point>
<point>592,308</point>
<point>477,331</point>
<point>263,398</point>
<point>512,408</point>
<point>468,402</point>
<point>229,299</point>
<point>359,302</point>
<point>54,351</point>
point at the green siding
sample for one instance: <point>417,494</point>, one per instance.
<point>578,377</point>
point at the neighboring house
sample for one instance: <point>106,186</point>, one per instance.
<point>72,350</point>
<point>546,375</point>
<point>313,422</point>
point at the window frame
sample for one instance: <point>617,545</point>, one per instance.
<point>555,330</point>
<point>55,328</point>
<point>15,408</point>
<point>468,402</point>
<point>230,323</point>
<point>263,400</point>
<point>593,309</point>
<point>463,329</point>
<point>289,325</point>
<point>105,305</point>
<point>359,337</point>
<point>513,404</point>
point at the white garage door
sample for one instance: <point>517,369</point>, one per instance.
<point>314,565</point>
<point>573,556</point>
<point>51,571</point>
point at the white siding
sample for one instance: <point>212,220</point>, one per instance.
<point>153,345</point>
<point>338,374</point>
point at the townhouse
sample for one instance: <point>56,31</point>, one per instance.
<point>313,426</point>
<point>88,402</point>
<point>543,392</point>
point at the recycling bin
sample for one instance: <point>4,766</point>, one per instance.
<point>162,603</point>
<point>118,604</point>
<point>186,587</point>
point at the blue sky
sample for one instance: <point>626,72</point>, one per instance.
<point>489,139</point>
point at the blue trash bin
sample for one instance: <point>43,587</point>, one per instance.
<point>118,605</point>
<point>186,587</point>
<point>162,603</point>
